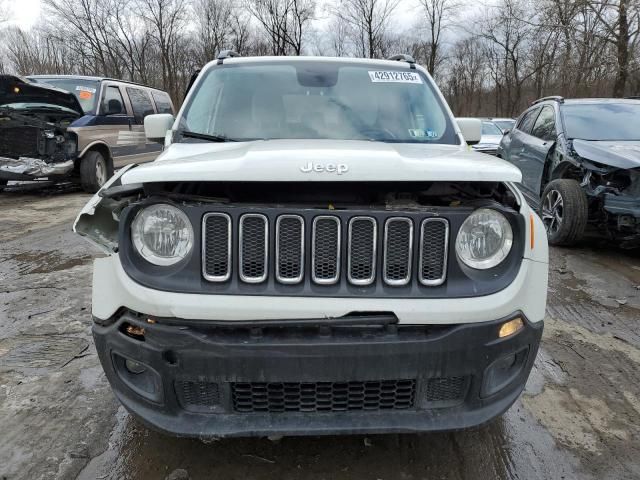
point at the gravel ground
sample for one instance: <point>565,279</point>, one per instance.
<point>578,418</point>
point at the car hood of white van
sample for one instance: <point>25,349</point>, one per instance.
<point>320,161</point>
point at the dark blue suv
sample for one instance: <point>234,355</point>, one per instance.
<point>580,163</point>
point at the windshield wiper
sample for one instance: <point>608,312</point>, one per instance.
<point>205,136</point>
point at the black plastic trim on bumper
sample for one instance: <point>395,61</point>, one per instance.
<point>344,354</point>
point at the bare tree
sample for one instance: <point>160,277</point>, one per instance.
<point>621,20</point>
<point>438,15</point>
<point>369,22</point>
<point>284,22</point>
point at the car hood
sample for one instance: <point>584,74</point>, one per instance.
<point>489,140</point>
<point>619,154</point>
<point>320,160</point>
<point>18,90</point>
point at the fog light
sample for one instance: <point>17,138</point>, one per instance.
<point>510,327</point>
<point>134,367</point>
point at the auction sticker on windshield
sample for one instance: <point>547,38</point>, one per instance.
<point>395,77</point>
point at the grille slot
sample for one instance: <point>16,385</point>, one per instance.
<point>398,242</point>
<point>323,396</point>
<point>445,389</point>
<point>289,248</point>
<point>197,395</point>
<point>216,247</point>
<point>362,250</point>
<point>253,237</point>
<point>434,244</point>
<point>325,249</point>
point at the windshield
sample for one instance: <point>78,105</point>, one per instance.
<point>317,100</point>
<point>489,128</point>
<point>602,121</point>
<point>86,91</point>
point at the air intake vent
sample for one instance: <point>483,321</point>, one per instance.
<point>434,243</point>
<point>362,250</point>
<point>254,231</point>
<point>325,250</point>
<point>398,241</point>
<point>289,248</point>
<point>323,396</point>
<point>216,249</point>
<point>198,395</point>
<point>448,389</point>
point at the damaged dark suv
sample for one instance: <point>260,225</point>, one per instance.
<point>580,163</point>
<point>74,127</point>
<point>34,140</point>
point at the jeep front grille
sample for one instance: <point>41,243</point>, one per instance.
<point>332,248</point>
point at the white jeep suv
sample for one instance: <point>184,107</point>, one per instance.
<point>316,251</point>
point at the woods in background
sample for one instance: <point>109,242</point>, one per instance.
<point>491,59</point>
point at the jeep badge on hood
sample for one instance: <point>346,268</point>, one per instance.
<point>339,168</point>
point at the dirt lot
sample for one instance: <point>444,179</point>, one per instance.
<point>579,417</point>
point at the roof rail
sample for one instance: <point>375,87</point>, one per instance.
<point>556,98</point>
<point>403,57</point>
<point>226,54</point>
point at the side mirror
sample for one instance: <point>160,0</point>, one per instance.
<point>156,126</point>
<point>506,131</point>
<point>471,129</point>
<point>114,107</point>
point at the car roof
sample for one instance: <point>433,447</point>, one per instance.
<point>313,59</point>
<point>601,100</point>
<point>92,78</point>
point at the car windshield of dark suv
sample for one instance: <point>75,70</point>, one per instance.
<point>602,121</point>
<point>316,100</point>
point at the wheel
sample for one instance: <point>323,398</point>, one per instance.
<point>3,183</point>
<point>95,170</point>
<point>564,211</point>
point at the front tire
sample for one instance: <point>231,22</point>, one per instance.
<point>564,211</point>
<point>95,170</point>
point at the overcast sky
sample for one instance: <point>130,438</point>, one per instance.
<point>25,13</point>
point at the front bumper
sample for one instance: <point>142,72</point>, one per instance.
<point>240,381</point>
<point>25,168</point>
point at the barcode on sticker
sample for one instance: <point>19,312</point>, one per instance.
<point>394,77</point>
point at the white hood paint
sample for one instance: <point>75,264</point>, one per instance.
<point>281,160</point>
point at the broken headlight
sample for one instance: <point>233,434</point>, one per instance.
<point>484,239</point>
<point>162,234</point>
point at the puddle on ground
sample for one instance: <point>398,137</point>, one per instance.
<point>40,351</point>
<point>46,262</point>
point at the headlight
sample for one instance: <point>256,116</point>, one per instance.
<point>484,239</point>
<point>162,234</point>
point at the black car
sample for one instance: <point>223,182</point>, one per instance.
<point>580,163</point>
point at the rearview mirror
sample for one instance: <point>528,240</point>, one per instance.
<point>156,126</point>
<point>471,129</point>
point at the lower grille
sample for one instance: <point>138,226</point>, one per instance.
<point>445,389</point>
<point>323,396</point>
<point>197,395</point>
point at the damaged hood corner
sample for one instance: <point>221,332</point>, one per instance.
<point>96,221</point>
